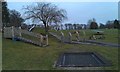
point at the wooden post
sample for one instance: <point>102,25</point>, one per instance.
<point>4,32</point>
<point>46,39</point>
<point>20,32</point>
<point>94,37</point>
<point>62,36</point>
<point>41,40</point>
<point>70,37</point>
<point>78,36</point>
<point>12,29</point>
<point>84,35</point>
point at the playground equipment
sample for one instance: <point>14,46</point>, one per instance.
<point>97,35</point>
<point>62,36</point>
<point>16,33</point>
<point>68,39</point>
<point>32,28</point>
<point>78,36</point>
<point>81,59</point>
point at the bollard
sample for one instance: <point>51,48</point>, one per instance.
<point>84,35</point>
<point>20,32</point>
<point>77,36</point>
<point>41,40</point>
<point>12,28</point>
<point>94,37</point>
<point>62,37</point>
<point>46,39</point>
<point>70,37</point>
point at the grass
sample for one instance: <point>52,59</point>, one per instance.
<point>39,30</point>
<point>23,56</point>
<point>111,35</point>
<point>30,37</point>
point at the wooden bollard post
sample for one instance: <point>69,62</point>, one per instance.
<point>84,35</point>
<point>12,29</point>
<point>20,31</point>
<point>94,37</point>
<point>41,40</point>
<point>62,36</point>
<point>46,39</point>
<point>78,36</point>
<point>70,37</point>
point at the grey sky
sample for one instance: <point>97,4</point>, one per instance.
<point>80,12</point>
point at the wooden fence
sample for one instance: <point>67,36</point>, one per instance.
<point>12,32</point>
<point>70,37</point>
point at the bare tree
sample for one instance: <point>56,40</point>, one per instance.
<point>46,13</point>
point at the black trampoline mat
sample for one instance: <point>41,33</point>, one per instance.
<point>82,59</point>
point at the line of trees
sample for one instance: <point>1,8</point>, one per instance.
<point>92,24</point>
<point>5,14</point>
<point>48,14</point>
<point>11,17</point>
<point>111,24</point>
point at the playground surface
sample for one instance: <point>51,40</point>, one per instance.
<point>18,55</point>
<point>111,35</point>
<point>94,42</point>
<point>82,59</point>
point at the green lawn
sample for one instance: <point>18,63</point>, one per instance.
<point>111,35</point>
<point>23,56</point>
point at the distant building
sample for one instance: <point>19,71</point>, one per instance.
<point>83,26</point>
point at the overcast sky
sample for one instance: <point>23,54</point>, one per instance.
<point>80,12</point>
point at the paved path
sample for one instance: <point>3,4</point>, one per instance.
<point>98,43</point>
<point>66,40</point>
<point>103,43</point>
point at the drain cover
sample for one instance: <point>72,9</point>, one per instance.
<point>82,59</point>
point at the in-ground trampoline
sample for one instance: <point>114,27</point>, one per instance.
<point>82,59</point>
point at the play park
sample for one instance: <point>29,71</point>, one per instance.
<point>39,38</point>
<point>64,49</point>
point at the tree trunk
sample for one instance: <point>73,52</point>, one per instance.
<point>46,27</point>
